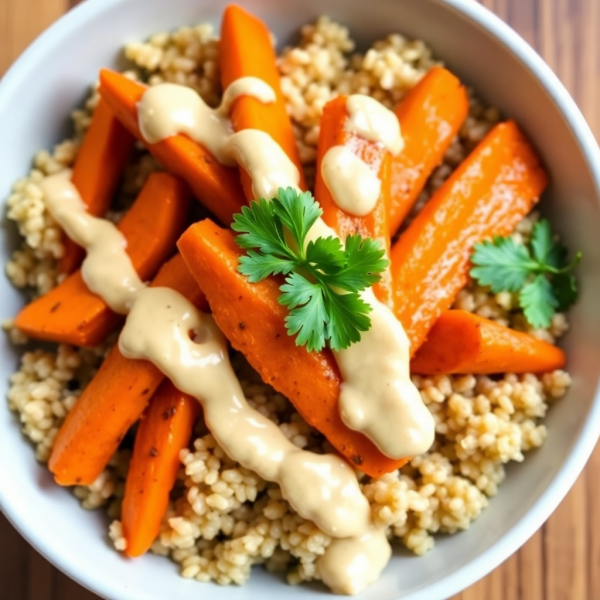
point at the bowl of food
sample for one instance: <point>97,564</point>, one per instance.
<point>292,313</point>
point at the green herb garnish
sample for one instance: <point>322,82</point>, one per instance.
<point>539,271</point>
<point>322,277</point>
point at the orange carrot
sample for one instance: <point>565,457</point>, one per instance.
<point>251,317</point>
<point>246,50</point>
<point>489,193</point>
<point>216,186</point>
<point>461,342</point>
<point>375,224</point>
<point>114,399</point>
<point>105,150</point>
<point>430,117</point>
<point>164,430</point>
<point>70,313</point>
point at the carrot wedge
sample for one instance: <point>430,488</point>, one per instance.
<point>251,317</point>
<point>164,430</point>
<point>489,193</point>
<point>246,50</point>
<point>461,342</point>
<point>217,187</point>
<point>114,399</point>
<point>375,224</point>
<point>430,116</point>
<point>105,150</point>
<point>72,314</point>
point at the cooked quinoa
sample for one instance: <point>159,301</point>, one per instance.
<point>223,518</point>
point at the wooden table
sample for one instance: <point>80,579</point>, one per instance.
<point>562,560</point>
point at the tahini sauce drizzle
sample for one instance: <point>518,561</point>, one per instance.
<point>320,488</point>
<point>377,396</point>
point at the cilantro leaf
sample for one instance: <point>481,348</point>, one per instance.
<point>538,302</point>
<point>541,242</point>
<point>327,253</point>
<point>308,316</point>
<point>323,277</point>
<point>297,212</point>
<point>501,264</point>
<point>365,260</point>
<point>259,229</point>
<point>348,319</point>
<point>564,286</point>
<point>539,271</point>
<point>257,266</point>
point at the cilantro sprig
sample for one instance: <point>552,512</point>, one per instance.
<point>323,278</point>
<point>540,272</point>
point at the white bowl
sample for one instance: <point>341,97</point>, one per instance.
<point>51,78</point>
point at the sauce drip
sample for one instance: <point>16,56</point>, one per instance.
<point>187,347</point>
<point>107,268</point>
<point>372,121</point>
<point>354,186</point>
<point>168,108</point>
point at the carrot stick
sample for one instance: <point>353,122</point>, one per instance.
<point>105,150</point>
<point>489,193</point>
<point>114,399</point>
<point>251,317</point>
<point>246,50</point>
<point>164,430</point>
<point>430,117</point>
<point>375,224</point>
<point>461,342</point>
<point>72,314</point>
<point>216,186</point>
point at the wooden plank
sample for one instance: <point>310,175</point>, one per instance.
<point>21,21</point>
<point>13,562</point>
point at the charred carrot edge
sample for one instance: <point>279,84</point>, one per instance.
<point>164,430</point>
<point>375,224</point>
<point>430,116</point>
<point>70,313</point>
<point>246,50</point>
<point>103,155</point>
<point>217,187</point>
<point>114,399</point>
<point>461,342</point>
<point>489,193</point>
<point>251,317</point>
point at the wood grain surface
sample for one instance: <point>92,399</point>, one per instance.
<point>562,560</point>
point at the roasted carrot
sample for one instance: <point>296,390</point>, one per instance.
<point>114,399</point>
<point>489,193</point>
<point>164,430</point>
<point>461,342</point>
<point>216,186</point>
<point>246,50</point>
<point>70,313</point>
<point>375,224</point>
<point>251,317</point>
<point>103,154</point>
<point>430,116</point>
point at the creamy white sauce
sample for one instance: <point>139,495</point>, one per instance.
<point>350,565</point>
<point>168,109</point>
<point>191,351</point>
<point>377,396</point>
<point>246,86</point>
<point>322,488</point>
<point>353,185</point>
<point>263,159</point>
<point>107,268</point>
<point>372,121</point>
